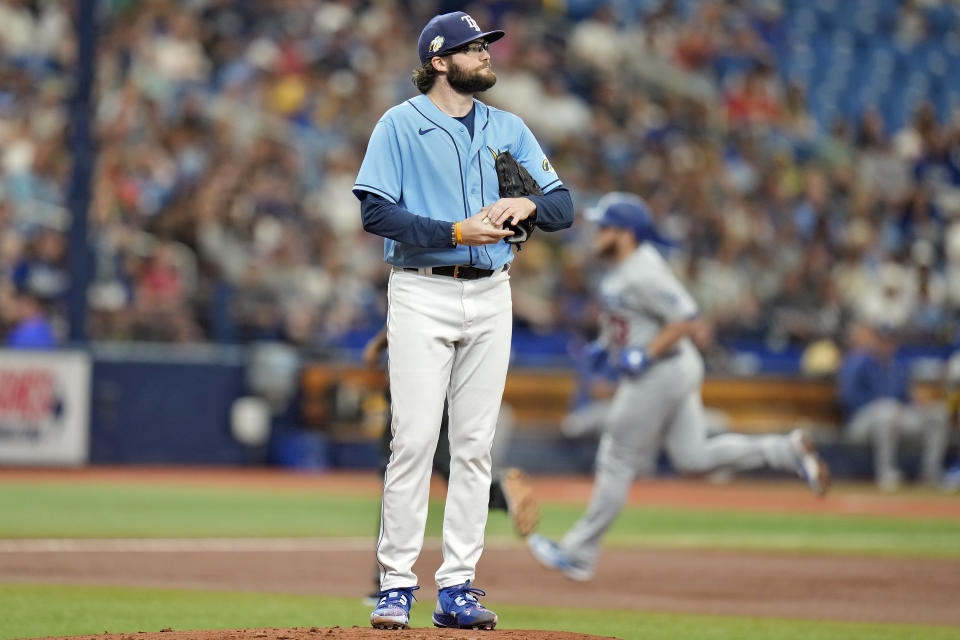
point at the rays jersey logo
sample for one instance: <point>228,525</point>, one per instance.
<point>435,44</point>
<point>471,23</point>
<point>546,166</point>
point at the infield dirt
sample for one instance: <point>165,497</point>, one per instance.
<point>338,633</point>
<point>785,585</point>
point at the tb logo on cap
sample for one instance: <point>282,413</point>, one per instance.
<point>471,22</point>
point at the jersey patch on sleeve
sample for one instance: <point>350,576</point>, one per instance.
<point>546,166</point>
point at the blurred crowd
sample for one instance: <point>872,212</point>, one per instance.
<point>229,134</point>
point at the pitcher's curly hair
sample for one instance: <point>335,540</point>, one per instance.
<point>424,76</point>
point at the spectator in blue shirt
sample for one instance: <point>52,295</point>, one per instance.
<point>32,329</point>
<point>874,390</point>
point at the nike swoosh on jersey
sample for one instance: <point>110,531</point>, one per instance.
<point>423,131</point>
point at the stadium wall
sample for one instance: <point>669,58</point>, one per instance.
<point>154,404</point>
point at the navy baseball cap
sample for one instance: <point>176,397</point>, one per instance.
<point>627,211</point>
<point>448,31</point>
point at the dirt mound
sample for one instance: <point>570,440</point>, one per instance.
<point>338,633</point>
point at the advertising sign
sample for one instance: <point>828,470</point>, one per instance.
<point>44,407</point>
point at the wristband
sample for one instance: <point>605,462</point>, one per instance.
<point>634,360</point>
<point>459,237</point>
<point>453,234</point>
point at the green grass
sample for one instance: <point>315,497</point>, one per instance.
<point>94,510</point>
<point>40,510</point>
<point>31,611</point>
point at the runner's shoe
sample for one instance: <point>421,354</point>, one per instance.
<point>810,466</point>
<point>552,556</point>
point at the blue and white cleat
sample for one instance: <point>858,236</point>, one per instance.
<point>552,556</point>
<point>458,608</point>
<point>810,466</point>
<point>393,609</point>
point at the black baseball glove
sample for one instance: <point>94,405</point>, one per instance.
<point>516,182</point>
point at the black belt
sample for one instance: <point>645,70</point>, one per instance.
<point>457,271</point>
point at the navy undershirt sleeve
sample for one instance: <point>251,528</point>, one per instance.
<point>554,209</point>
<point>386,219</point>
<point>390,220</point>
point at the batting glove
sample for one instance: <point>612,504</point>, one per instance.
<point>633,361</point>
<point>595,356</point>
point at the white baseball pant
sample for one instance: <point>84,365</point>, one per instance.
<point>661,409</point>
<point>886,420</point>
<point>446,337</point>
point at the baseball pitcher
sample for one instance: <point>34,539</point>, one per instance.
<point>429,185</point>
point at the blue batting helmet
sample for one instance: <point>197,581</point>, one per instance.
<point>627,211</point>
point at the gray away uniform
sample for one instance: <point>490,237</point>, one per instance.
<point>661,407</point>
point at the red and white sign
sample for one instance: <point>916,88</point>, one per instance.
<point>44,407</point>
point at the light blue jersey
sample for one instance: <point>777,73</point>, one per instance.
<point>426,162</point>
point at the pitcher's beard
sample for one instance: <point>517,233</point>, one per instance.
<point>471,82</point>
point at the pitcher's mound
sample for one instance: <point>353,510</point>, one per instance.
<point>339,633</point>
